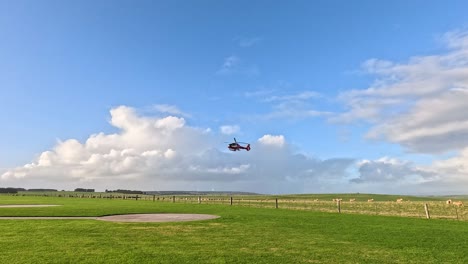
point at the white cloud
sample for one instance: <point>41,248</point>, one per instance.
<point>243,168</point>
<point>420,104</point>
<point>391,170</point>
<point>433,124</point>
<point>270,140</point>
<point>231,62</point>
<point>294,97</point>
<point>229,130</point>
<point>152,153</point>
<point>247,42</point>
<point>289,106</point>
<point>454,170</point>
<point>142,144</point>
<point>258,93</point>
<point>229,65</point>
<point>456,39</point>
<point>170,109</point>
<point>293,110</point>
<point>234,65</point>
<point>390,175</point>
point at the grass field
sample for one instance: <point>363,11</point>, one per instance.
<point>241,235</point>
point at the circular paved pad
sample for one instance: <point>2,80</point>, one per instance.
<point>157,217</point>
<point>117,218</point>
<point>123,218</point>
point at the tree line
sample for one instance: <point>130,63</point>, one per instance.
<point>125,191</point>
<point>16,190</point>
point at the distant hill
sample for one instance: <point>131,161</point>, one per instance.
<point>198,193</point>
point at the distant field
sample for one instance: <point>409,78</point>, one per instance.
<point>242,235</point>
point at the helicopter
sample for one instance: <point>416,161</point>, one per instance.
<point>235,146</point>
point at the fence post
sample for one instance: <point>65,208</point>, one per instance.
<point>456,211</point>
<point>231,200</point>
<point>136,197</point>
<point>338,203</point>
<point>426,208</point>
<point>173,199</point>
<point>154,198</point>
<point>276,203</point>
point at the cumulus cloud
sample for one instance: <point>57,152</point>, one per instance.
<point>170,109</point>
<point>390,175</point>
<point>454,170</point>
<point>270,140</point>
<point>391,170</point>
<point>229,130</point>
<point>419,104</point>
<point>141,145</point>
<point>164,152</point>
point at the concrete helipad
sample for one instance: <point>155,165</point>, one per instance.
<point>157,217</point>
<point>124,218</point>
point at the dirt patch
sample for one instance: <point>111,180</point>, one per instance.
<point>157,217</point>
<point>26,205</point>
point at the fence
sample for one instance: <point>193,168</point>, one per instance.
<point>431,209</point>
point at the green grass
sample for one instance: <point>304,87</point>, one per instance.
<point>241,235</point>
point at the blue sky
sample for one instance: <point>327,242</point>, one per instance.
<point>339,88</point>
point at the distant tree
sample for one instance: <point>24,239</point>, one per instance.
<point>10,190</point>
<point>42,190</point>
<point>124,191</point>
<point>83,190</point>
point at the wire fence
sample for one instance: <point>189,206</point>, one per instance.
<point>417,209</point>
<point>431,209</point>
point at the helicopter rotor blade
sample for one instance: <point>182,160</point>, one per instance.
<point>237,142</point>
